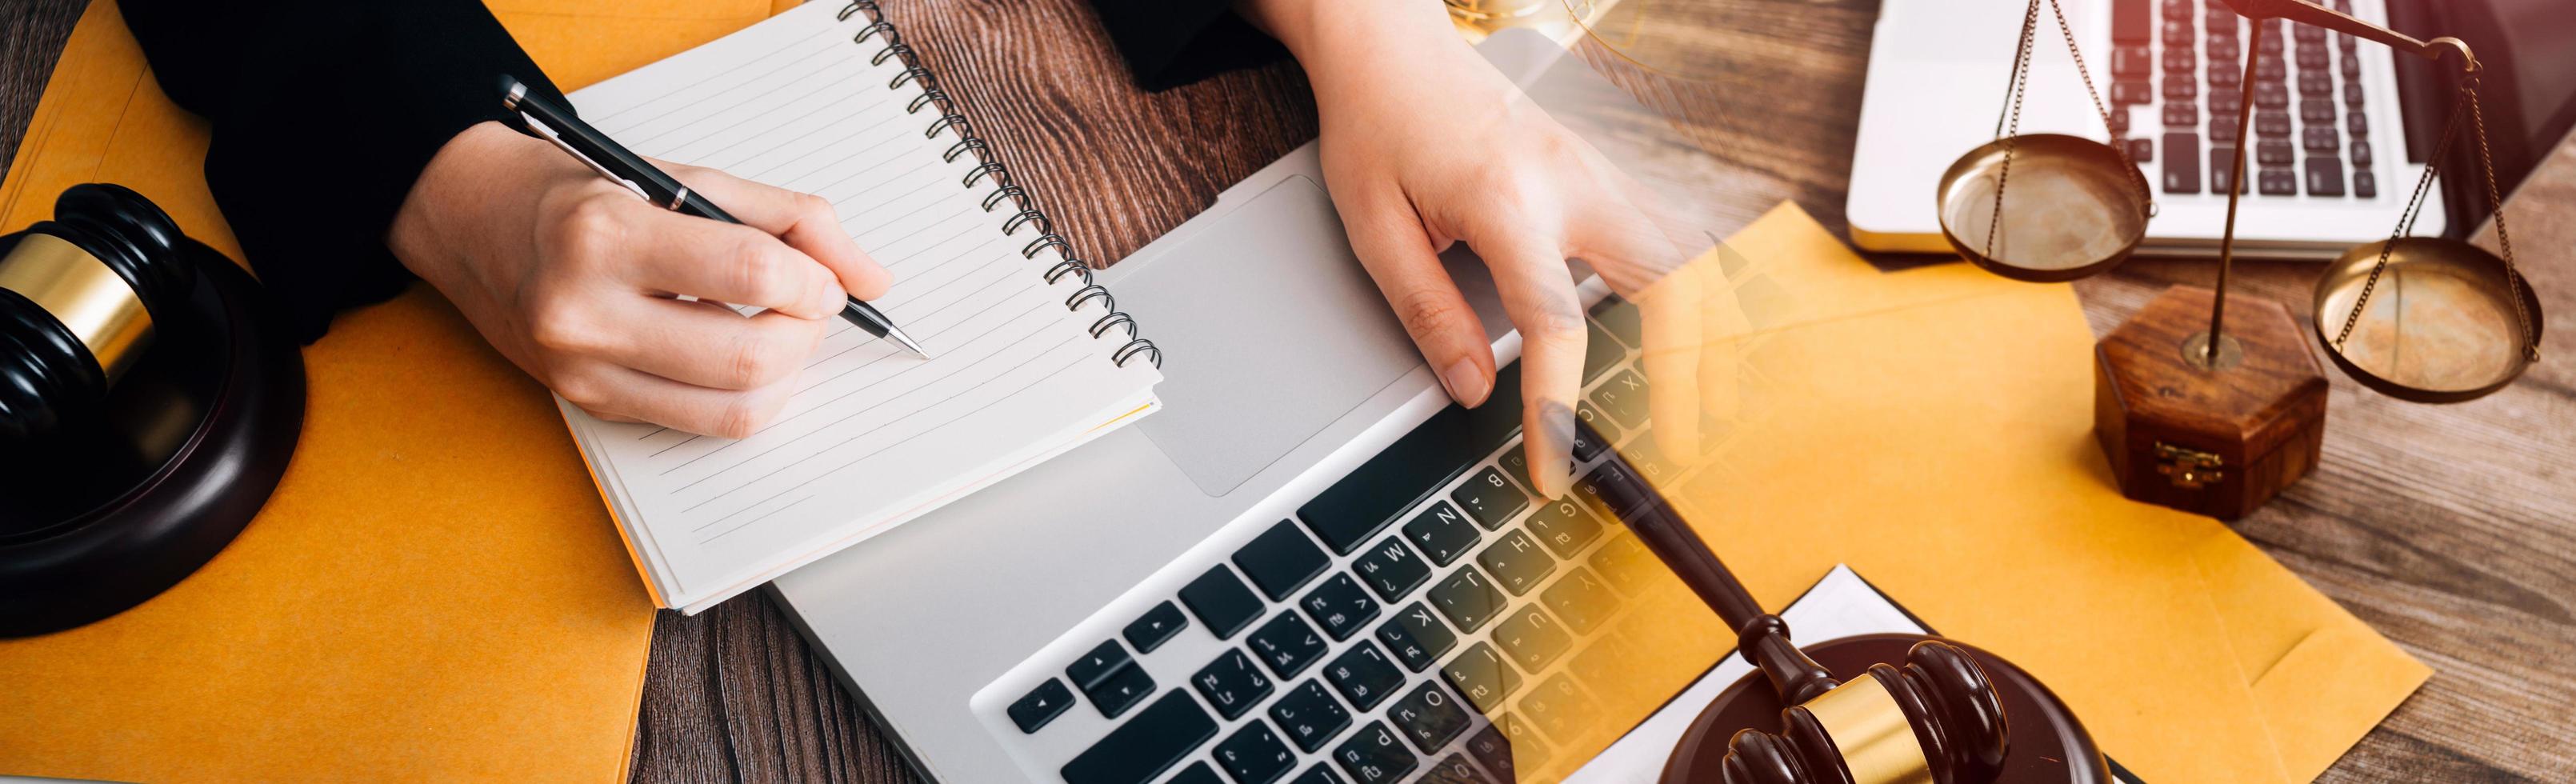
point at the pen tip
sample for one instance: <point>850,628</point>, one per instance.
<point>907,341</point>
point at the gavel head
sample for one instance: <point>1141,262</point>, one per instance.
<point>1934,719</point>
<point>78,297</point>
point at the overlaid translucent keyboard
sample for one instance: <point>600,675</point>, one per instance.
<point>1424,618</point>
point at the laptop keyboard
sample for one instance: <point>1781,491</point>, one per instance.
<point>2182,63</point>
<point>1424,618</point>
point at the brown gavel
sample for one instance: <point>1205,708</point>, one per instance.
<point>1934,717</point>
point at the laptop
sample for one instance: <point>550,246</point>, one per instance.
<point>2340,131</point>
<point>1310,566</point>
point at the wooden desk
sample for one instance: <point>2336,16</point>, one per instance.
<point>2452,529</point>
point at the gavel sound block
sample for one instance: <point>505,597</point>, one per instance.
<point>1874,709</point>
<point>148,404</point>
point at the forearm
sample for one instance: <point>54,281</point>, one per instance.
<point>1342,47</point>
<point>395,81</point>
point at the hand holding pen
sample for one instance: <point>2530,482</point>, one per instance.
<point>588,288</point>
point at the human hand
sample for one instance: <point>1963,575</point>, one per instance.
<point>1425,144</point>
<point>577,281</point>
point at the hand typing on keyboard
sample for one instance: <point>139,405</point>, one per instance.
<point>1454,152</point>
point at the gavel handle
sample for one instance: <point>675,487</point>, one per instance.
<point>1761,636</point>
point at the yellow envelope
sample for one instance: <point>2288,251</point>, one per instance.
<point>1933,429</point>
<point>435,591</point>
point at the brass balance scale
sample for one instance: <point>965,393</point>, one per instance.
<point>2217,421</point>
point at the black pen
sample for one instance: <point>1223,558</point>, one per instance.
<point>615,162</point>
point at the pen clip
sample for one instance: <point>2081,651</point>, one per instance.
<point>549,135</point>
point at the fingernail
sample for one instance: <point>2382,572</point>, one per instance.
<point>1465,383</point>
<point>1553,473</point>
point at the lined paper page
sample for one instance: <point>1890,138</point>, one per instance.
<point>873,435</point>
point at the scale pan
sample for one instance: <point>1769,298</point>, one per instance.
<point>2441,326</point>
<point>2073,207</point>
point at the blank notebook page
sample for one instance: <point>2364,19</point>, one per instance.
<point>873,435</point>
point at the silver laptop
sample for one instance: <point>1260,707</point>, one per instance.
<point>2331,163</point>
<point>1309,567</point>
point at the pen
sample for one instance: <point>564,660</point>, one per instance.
<point>615,162</point>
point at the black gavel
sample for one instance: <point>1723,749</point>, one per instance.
<point>1933,717</point>
<point>79,298</point>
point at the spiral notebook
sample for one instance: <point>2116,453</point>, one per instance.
<point>1032,357</point>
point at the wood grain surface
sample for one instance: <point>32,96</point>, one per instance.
<point>2451,529</point>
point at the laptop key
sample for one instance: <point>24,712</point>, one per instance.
<point>2364,185</point>
<point>1467,598</point>
<point>1221,602</point>
<point>1152,742</point>
<point>1621,319</point>
<point>1563,526</point>
<point>1040,705</point>
<point>1286,645</point>
<point>2132,91</point>
<point>2182,163</point>
<point>1601,352</point>
<point>1442,533</point>
<point>1365,677</point>
<point>1517,565</point>
<point>1309,716</point>
<point>1416,638</point>
<point>1429,716</point>
<point>1453,770</point>
<point>2271,95</point>
<point>1499,754</point>
<point>2227,101</point>
<point>2325,176</point>
<point>1340,607</point>
<point>1097,665</point>
<point>2320,139</point>
<point>1254,755</point>
<point>2222,129</point>
<point>2357,124</point>
<point>1321,773</point>
<point>2222,170</point>
<point>2182,114</point>
<point>2275,152</point>
<point>1532,639</point>
<point>1374,756</point>
<point>1155,627</point>
<point>1124,687</point>
<point>2131,62</point>
<point>1600,422</point>
<point>1581,600</point>
<point>1623,398</point>
<point>2277,182</point>
<point>1196,773</point>
<point>1392,569</point>
<point>1625,564</point>
<point>1561,709</point>
<point>2271,123</point>
<point>1231,683</point>
<point>1482,677</point>
<point>2317,110</point>
<point>1281,560</point>
<point>1490,498</point>
<point>1353,510</point>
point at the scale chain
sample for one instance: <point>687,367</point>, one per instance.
<point>2406,218</point>
<point>2013,102</point>
<point>2504,242</point>
<point>2012,105</point>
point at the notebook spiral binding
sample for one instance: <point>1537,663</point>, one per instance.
<point>986,168</point>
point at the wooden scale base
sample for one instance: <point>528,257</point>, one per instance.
<point>2046,743</point>
<point>2220,439</point>
<point>197,434</point>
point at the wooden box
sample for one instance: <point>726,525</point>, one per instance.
<point>2216,441</point>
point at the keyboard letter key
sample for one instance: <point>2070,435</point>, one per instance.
<point>1221,602</point>
<point>1374,756</point>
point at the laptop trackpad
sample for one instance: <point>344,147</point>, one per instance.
<point>1273,331</point>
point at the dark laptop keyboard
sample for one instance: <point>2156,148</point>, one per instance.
<point>1425,618</point>
<point>2185,58</point>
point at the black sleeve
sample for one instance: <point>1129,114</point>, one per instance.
<point>323,113</point>
<point>1169,43</point>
